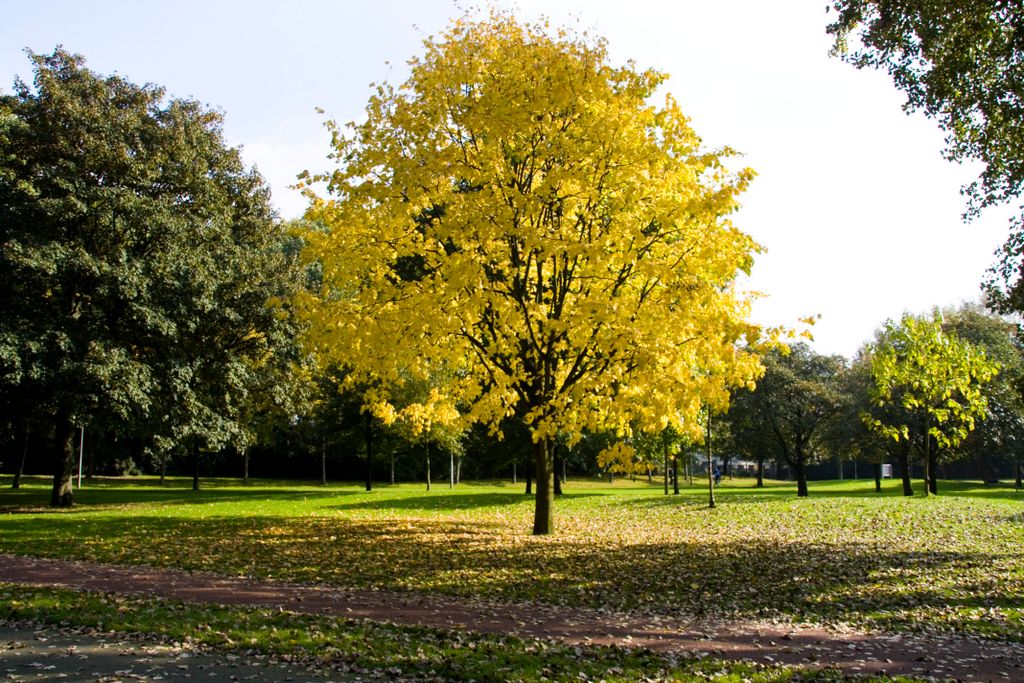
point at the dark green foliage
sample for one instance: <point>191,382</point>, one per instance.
<point>139,259</point>
<point>791,407</point>
<point>999,438</point>
<point>961,62</point>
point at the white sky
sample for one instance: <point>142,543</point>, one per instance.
<point>858,211</point>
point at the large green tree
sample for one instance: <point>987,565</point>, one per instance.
<point>927,386</point>
<point>522,211</point>
<point>961,62</point>
<point>139,259</point>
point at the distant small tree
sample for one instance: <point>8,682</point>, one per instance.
<point>417,412</point>
<point>622,457</point>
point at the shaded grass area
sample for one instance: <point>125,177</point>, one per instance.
<point>951,562</point>
<point>379,651</point>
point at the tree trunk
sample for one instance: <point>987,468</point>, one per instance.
<point>515,479</point>
<point>451,469</point>
<point>63,461</point>
<point>21,462</point>
<point>391,466</point>
<point>90,461</point>
<point>675,476</point>
<point>458,470</point>
<point>933,468</point>
<point>323,461</point>
<point>245,465</point>
<point>81,453</point>
<point>989,475</point>
<point>555,467</point>
<point>544,503</point>
<point>195,474</point>
<point>878,477</point>
<point>926,457</point>
<point>368,435</point>
<point>927,475</point>
<point>1019,473</point>
<point>760,472</point>
<point>666,470</point>
<point>839,467</point>
<point>711,478</point>
<point>163,468</point>
<point>801,476</point>
<point>428,465</point>
<point>904,458</point>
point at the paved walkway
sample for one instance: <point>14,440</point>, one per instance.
<point>854,652</point>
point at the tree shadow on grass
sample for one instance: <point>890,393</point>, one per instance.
<point>727,495</point>
<point>36,500</point>
<point>149,482</point>
<point>989,492</point>
<point>448,501</point>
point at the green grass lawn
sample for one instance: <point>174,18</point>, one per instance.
<point>846,554</point>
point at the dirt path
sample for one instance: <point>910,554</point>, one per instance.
<point>854,652</point>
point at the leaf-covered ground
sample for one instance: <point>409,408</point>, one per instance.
<point>951,562</point>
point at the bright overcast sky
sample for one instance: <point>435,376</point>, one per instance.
<point>858,212</point>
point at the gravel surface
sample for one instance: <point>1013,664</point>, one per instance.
<point>33,653</point>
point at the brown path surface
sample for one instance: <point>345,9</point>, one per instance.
<point>854,652</point>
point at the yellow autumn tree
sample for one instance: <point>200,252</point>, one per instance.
<point>520,211</point>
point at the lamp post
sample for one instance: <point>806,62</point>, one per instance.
<point>711,480</point>
<point>81,450</point>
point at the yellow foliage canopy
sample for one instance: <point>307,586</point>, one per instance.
<point>519,212</point>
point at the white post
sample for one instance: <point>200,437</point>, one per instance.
<point>81,450</point>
